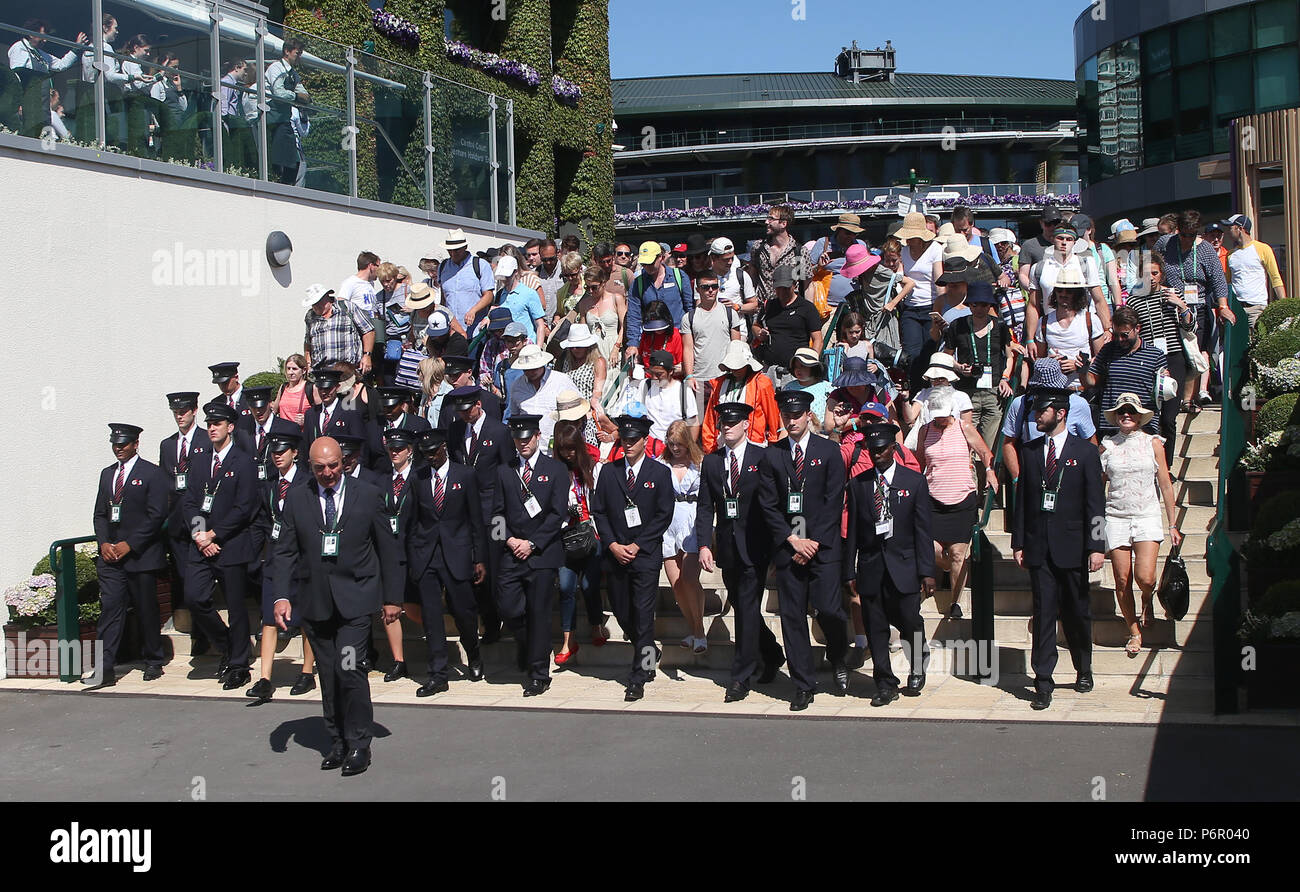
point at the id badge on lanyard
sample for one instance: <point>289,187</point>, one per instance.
<point>206,507</point>
<point>275,531</point>
<point>261,471</point>
<point>392,523</point>
<point>531,506</point>
<point>329,544</point>
<point>181,480</point>
<point>1049,501</point>
<point>115,513</point>
<point>632,515</point>
<point>794,503</point>
<point>731,508</point>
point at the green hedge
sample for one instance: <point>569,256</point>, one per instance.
<point>1276,313</point>
<point>266,379</point>
<point>87,576</point>
<point>1276,347</point>
<point>1280,599</point>
<point>1277,414</point>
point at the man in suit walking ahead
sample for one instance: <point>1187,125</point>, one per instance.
<point>1058,537</point>
<point>337,527</point>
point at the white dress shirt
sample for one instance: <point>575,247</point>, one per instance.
<point>473,432</point>
<point>737,452</point>
<point>1059,440</point>
<point>338,501</point>
<point>130,464</point>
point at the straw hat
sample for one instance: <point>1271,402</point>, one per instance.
<point>956,245</point>
<point>580,335</point>
<point>738,355</point>
<point>420,296</point>
<point>570,406</point>
<point>1129,399</point>
<point>532,357</point>
<point>1070,277</point>
<point>943,366</point>
<point>914,227</point>
<point>946,230</point>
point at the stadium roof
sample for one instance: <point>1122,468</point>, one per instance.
<point>708,92</point>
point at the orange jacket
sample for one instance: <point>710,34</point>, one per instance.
<point>764,421</point>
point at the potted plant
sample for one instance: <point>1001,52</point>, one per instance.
<point>1270,628</point>
<point>33,629</point>
<point>1272,549</point>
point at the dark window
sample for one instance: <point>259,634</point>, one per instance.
<point>1277,79</point>
<point>1276,22</point>
<point>1231,32</point>
<point>1191,38</point>
<point>1157,54</point>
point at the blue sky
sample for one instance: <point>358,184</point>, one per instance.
<point>1018,38</point>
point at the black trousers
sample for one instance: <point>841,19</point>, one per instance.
<point>1060,593</point>
<point>753,637</point>
<point>633,592</point>
<point>1177,365</point>
<point>200,585</point>
<point>182,552</point>
<point>117,588</point>
<point>460,604</point>
<point>485,592</point>
<point>817,584</point>
<point>902,610</point>
<point>339,645</point>
<point>527,601</point>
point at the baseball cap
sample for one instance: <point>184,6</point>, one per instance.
<point>507,266</point>
<point>1050,214</point>
<point>648,252</point>
<point>721,246</point>
<point>998,236</point>
<point>680,248</point>
<point>1237,220</point>
<point>515,330</point>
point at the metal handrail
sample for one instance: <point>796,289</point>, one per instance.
<point>64,570</point>
<point>677,139</point>
<point>881,195</point>
<point>982,583</point>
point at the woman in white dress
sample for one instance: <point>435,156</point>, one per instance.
<point>1133,463</point>
<point>681,552</point>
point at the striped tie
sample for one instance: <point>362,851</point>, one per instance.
<point>1050,471</point>
<point>631,480</point>
<point>284,488</point>
<point>798,463</point>
<point>438,493</point>
<point>183,460</point>
<point>216,466</point>
<point>527,474</point>
<point>120,483</point>
<point>735,474</point>
<point>324,420</point>
<point>880,498</point>
<point>399,486</point>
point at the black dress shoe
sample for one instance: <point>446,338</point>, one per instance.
<point>334,759</point>
<point>856,658</point>
<point>634,692</point>
<point>152,672</point>
<point>236,678</point>
<point>356,762</point>
<point>536,686</point>
<point>262,689</point>
<point>199,646</point>
<point>306,682</point>
<point>915,684</point>
<point>1084,682</point>
<point>736,691</point>
<point>474,672</point>
<point>431,687</point>
<point>884,697</point>
<point>801,700</point>
<point>491,634</point>
<point>954,612</point>
<point>841,676</point>
<point>398,671</point>
<point>106,680</point>
<point>222,668</point>
<point>521,655</point>
<point>769,669</point>
<point>1042,699</point>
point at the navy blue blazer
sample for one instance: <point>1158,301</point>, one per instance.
<point>234,506</point>
<point>247,441</point>
<point>178,526</point>
<point>342,421</point>
<point>268,509</point>
<point>824,480</point>
<point>550,486</point>
<point>379,460</point>
<point>1077,527</point>
<point>143,512</point>
<point>454,536</point>
<point>908,554</point>
<point>745,541</point>
<point>654,499</point>
<point>493,448</point>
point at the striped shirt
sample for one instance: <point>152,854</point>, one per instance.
<point>948,469</point>
<point>1159,319</point>
<point>1137,372</point>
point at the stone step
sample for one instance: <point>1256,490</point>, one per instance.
<point>1202,445</point>
<point>1206,423</point>
<point>1199,468</point>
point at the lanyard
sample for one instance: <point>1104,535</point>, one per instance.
<point>988,347</point>
<point>1188,275</point>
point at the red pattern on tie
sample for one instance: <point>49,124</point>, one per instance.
<point>284,488</point>
<point>880,497</point>
<point>324,420</point>
<point>438,493</point>
<point>216,466</point>
<point>1050,471</point>
<point>798,463</point>
<point>183,460</point>
<point>528,474</point>
<point>399,486</point>
<point>120,483</point>
<point>631,480</point>
<point>735,474</point>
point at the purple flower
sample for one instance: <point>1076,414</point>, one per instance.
<point>493,64</point>
<point>756,210</point>
<point>565,91</point>
<point>396,28</point>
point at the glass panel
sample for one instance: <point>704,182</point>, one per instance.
<point>1233,89</point>
<point>503,159</point>
<point>1193,112</point>
<point>1231,32</point>
<point>159,82</point>
<point>1277,79</point>
<point>47,56</point>
<point>1158,123</point>
<point>1156,52</point>
<point>462,170</point>
<point>240,133</point>
<point>308,119</point>
<point>1128,103</point>
<point>1191,38</point>
<point>390,144</point>
<point>1276,23</point>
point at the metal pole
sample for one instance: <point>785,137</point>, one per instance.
<point>214,61</point>
<point>263,165</point>
<point>492,155</point>
<point>101,124</point>
<point>351,57</point>
<point>428,141</point>
<point>510,157</point>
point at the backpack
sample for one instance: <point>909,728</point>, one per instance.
<point>677,277</point>
<point>731,319</point>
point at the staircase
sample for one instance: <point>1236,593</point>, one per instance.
<point>1182,649</point>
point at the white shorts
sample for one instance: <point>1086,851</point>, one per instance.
<point>1124,531</point>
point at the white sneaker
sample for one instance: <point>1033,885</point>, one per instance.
<point>701,645</point>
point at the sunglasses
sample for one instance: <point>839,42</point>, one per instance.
<point>622,253</point>
<point>713,287</point>
<point>1127,410</point>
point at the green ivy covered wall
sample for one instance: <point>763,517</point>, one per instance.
<point>563,157</point>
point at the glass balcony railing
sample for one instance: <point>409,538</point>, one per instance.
<point>172,81</point>
<point>884,198</point>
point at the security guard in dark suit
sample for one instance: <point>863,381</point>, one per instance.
<point>445,545</point>
<point>633,506</point>
<point>889,562</point>
<point>286,475</point>
<point>394,411</point>
<point>803,502</point>
<point>1057,535</point>
<point>482,443</point>
<point>354,449</point>
<point>398,487</point>
<point>460,373</point>
<point>176,454</point>
<point>226,376</point>
<point>265,423</point>
<point>130,509</point>
<point>530,505</point>
<point>730,480</point>
<point>330,418</point>
<point>221,503</point>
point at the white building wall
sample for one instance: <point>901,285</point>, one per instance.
<point>95,333</point>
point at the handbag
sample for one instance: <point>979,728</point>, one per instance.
<point>579,539</point>
<point>1174,591</point>
<point>393,350</point>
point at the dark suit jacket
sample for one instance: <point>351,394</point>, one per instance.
<point>744,542</point>
<point>268,512</point>
<point>455,536</point>
<point>654,498</point>
<point>178,526</point>
<point>367,572</point>
<point>234,505</point>
<point>491,407</point>
<point>908,554</point>
<point>247,441</point>
<point>493,448</point>
<point>379,460</point>
<point>144,509</point>
<point>245,422</point>
<point>824,480</point>
<point>550,486</point>
<point>1077,527</point>
<point>346,421</point>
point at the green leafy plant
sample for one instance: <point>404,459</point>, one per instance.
<point>33,602</point>
<point>1274,348</point>
<point>266,379</point>
<point>1277,414</point>
<point>1275,617</point>
<point>1274,538</point>
<point>1280,314</point>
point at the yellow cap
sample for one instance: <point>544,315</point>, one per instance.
<point>648,252</point>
